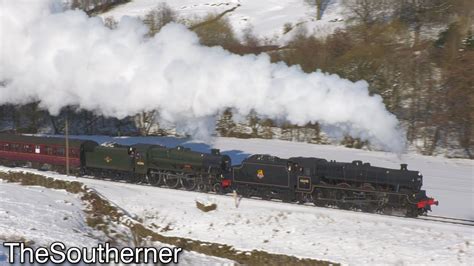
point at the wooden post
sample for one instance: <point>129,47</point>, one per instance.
<point>66,129</point>
<point>236,198</point>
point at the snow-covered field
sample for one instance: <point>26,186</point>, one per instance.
<point>307,231</point>
<point>43,215</point>
<point>304,231</point>
<point>266,17</point>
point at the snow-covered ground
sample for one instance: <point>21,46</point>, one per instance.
<point>266,17</point>
<point>43,215</point>
<point>307,231</point>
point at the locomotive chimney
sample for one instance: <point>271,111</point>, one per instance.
<point>216,151</point>
<point>403,166</point>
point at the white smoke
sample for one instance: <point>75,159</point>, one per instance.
<point>66,58</point>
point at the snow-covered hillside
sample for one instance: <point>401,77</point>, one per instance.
<point>304,231</point>
<point>43,216</point>
<point>40,216</point>
<point>266,17</point>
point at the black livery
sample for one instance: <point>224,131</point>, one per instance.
<point>353,185</point>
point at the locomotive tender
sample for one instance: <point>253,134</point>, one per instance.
<point>353,185</point>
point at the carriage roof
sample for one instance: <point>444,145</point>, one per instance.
<point>43,140</point>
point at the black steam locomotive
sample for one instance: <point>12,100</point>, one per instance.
<point>353,185</point>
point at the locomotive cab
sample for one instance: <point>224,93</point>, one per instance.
<point>226,163</point>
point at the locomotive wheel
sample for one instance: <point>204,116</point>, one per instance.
<point>341,194</point>
<point>369,206</point>
<point>243,191</point>
<point>266,195</point>
<point>189,182</point>
<point>82,172</point>
<point>300,199</point>
<point>217,188</point>
<point>140,179</point>
<point>172,181</point>
<point>412,212</point>
<point>129,179</point>
<point>155,179</point>
<point>303,198</point>
<point>201,187</point>
<point>317,194</point>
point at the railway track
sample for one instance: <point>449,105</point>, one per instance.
<point>449,220</point>
<point>431,218</point>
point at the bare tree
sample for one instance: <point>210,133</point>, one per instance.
<point>75,4</point>
<point>110,23</point>
<point>416,13</point>
<point>159,17</point>
<point>368,12</point>
<point>320,5</point>
<point>145,121</point>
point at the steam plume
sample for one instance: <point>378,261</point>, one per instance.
<point>62,58</point>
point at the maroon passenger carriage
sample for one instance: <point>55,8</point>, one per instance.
<point>47,153</point>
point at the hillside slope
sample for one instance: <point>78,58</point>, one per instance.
<point>266,17</point>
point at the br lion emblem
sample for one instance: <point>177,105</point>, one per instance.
<point>260,174</point>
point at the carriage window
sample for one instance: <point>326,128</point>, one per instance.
<point>26,148</point>
<point>60,151</point>
<point>49,150</point>
<point>15,147</point>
